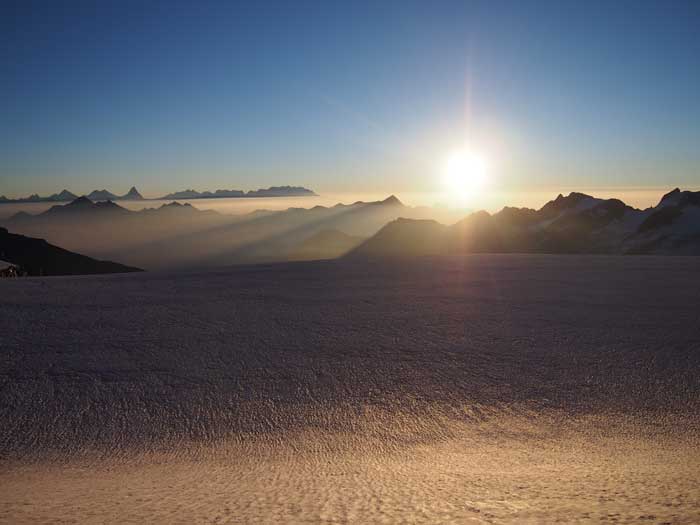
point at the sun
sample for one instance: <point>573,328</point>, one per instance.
<point>464,174</point>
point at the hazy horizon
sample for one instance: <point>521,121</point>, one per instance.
<point>640,198</point>
<point>221,96</point>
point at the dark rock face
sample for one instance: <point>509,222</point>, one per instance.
<point>37,257</point>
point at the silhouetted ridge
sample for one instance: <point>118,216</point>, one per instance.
<point>37,257</point>
<point>82,207</point>
<point>133,194</point>
<point>65,195</point>
<point>671,195</point>
<point>272,191</point>
<point>405,237</point>
<point>178,235</point>
<point>392,200</point>
<point>577,223</point>
<point>177,205</point>
<point>82,201</point>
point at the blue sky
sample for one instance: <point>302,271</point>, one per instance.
<point>342,96</point>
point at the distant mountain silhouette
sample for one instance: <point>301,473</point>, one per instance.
<point>273,191</point>
<point>134,195</point>
<point>67,196</point>
<point>37,257</point>
<point>63,196</point>
<point>104,195</point>
<point>101,195</point>
<point>577,223</point>
<point>180,235</point>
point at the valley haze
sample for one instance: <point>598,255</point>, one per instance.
<point>182,236</point>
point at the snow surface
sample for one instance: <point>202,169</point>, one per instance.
<point>477,389</point>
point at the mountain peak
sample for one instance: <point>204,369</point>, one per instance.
<point>681,198</point>
<point>562,203</point>
<point>671,196</point>
<point>579,196</point>
<point>175,204</point>
<point>101,195</point>
<point>133,194</point>
<point>392,200</point>
<point>66,195</point>
<point>80,201</point>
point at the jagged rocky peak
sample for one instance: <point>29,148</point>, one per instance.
<point>571,200</point>
<point>562,204</point>
<point>671,194</point>
<point>133,193</point>
<point>681,198</point>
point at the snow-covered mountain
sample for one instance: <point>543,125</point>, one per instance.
<point>577,223</point>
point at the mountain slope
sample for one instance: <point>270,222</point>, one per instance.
<point>672,227</point>
<point>37,257</point>
<point>180,235</point>
<point>577,223</point>
<point>406,237</point>
<point>106,230</point>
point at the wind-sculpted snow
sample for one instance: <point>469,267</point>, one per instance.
<point>466,389</point>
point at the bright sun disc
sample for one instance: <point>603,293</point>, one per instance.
<point>464,174</point>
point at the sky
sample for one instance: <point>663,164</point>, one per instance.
<point>348,96</point>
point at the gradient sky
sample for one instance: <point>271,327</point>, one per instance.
<point>347,96</point>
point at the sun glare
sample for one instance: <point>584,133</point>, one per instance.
<point>464,175</point>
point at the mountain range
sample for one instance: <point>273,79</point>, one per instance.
<point>67,196</point>
<point>134,195</point>
<point>577,223</point>
<point>176,236</point>
<point>37,257</point>
<point>273,191</point>
<point>63,196</point>
<point>179,235</point>
<point>104,195</point>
